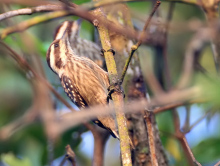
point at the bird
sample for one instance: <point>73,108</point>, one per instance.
<point>79,44</point>
<point>84,82</point>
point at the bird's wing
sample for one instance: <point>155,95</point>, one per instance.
<point>72,91</point>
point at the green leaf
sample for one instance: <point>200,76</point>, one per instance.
<point>209,86</point>
<point>207,150</point>
<point>11,160</point>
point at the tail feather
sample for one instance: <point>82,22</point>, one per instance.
<point>117,136</point>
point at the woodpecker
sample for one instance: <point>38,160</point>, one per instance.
<point>84,82</point>
<point>81,47</point>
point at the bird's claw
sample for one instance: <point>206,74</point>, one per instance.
<point>102,52</point>
<point>110,50</point>
<point>114,88</point>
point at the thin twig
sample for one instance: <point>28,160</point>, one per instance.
<point>100,137</point>
<point>135,47</point>
<point>133,106</point>
<point>195,46</point>
<point>63,161</point>
<point>187,149</point>
<point>29,11</point>
<point>31,22</point>
<point>89,16</point>
<point>69,3</point>
<point>174,105</point>
<point>151,138</point>
<point>165,46</point>
<point>23,63</point>
<point>196,122</point>
<point>211,10</point>
<point>217,164</point>
<point>70,155</point>
<point>30,3</point>
<point>187,120</point>
<point>29,117</point>
<point>181,137</point>
<point>167,107</point>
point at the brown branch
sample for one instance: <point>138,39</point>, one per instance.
<point>188,152</point>
<point>72,119</point>
<point>165,40</point>
<point>100,137</point>
<point>31,22</point>
<point>63,161</point>
<point>167,107</point>
<point>195,46</point>
<point>182,139</point>
<point>147,23</point>
<point>187,120</point>
<point>196,122</point>
<point>30,3</point>
<point>176,104</point>
<point>29,11</point>
<point>151,138</point>
<point>134,106</point>
<point>24,65</point>
<point>117,95</point>
<point>211,10</point>
<point>68,3</point>
<point>185,146</point>
<point>135,47</point>
<point>29,117</point>
<point>70,155</point>
<point>129,32</point>
<point>217,164</point>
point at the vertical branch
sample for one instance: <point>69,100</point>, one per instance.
<point>176,121</point>
<point>70,155</point>
<point>117,96</point>
<point>100,137</point>
<point>165,41</point>
<point>217,164</point>
<point>148,118</point>
<point>191,159</point>
<point>182,139</point>
<point>135,47</point>
<point>211,9</point>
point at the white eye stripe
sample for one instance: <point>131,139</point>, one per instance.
<point>52,59</point>
<point>61,30</point>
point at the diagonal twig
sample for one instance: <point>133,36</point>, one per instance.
<point>151,138</point>
<point>31,22</point>
<point>70,155</point>
<point>135,47</point>
<point>29,11</point>
<point>23,63</point>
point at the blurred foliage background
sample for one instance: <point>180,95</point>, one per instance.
<point>29,146</point>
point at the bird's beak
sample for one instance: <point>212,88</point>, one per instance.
<point>79,21</point>
<point>65,36</point>
<point>75,28</point>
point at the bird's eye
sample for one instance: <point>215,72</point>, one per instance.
<point>56,45</point>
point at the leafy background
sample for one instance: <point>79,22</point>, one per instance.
<point>29,145</point>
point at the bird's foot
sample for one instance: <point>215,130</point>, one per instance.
<point>116,87</point>
<point>110,50</point>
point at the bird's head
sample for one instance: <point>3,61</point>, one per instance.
<point>72,27</point>
<point>59,52</point>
